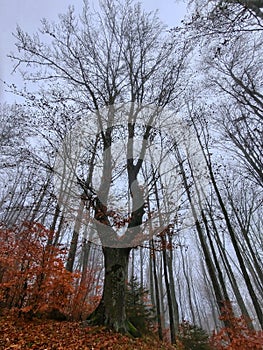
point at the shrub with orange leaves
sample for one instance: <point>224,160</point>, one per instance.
<point>33,279</point>
<point>85,297</point>
<point>237,336</point>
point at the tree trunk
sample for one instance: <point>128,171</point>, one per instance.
<point>168,291</point>
<point>151,278</point>
<point>111,310</point>
<point>208,259</point>
<point>240,259</point>
<point>188,284</point>
<point>157,292</point>
<point>75,238</point>
<point>231,276</point>
<point>172,286</point>
<point>231,232</point>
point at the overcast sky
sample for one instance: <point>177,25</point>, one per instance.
<point>28,13</point>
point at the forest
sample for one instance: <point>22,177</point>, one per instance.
<point>131,181</point>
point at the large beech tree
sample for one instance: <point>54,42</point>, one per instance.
<point>118,55</point>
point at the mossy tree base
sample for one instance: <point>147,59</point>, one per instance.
<point>98,318</point>
<point>111,310</point>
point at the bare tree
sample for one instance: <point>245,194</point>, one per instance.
<point>118,55</point>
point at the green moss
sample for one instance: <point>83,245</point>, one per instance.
<point>138,311</point>
<point>132,330</point>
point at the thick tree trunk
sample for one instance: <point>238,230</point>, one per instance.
<point>111,310</point>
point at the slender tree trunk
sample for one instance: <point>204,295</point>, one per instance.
<point>231,276</point>
<point>189,292</point>
<point>157,293</point>
<point>208,258</point>
<point>197,309</point>
<point>232,234</point>
<point>210,296</point>
<point>244,224</point>
<point>37,205</point>
<point>165,268</point>
<point>172,287</point>
<point>216,262</point>
<point>141,267</point>
<point>252,265</point>
<point>168,291</point>
<point>85,260</point>
<point>181,302</point>
<point>75,238</point>
<point>162,293</point>
<point>58,236</point>
<point>250,288</point>
<point>151,278</point>
<point>55,218</point>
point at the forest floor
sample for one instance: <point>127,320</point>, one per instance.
<point>17,333</point>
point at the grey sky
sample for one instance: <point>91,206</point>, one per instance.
<point>28,13</point>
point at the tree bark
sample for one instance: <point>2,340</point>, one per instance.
<point>230,274</point>
<point>168,291</point>
<point>75,238</point>
<point>172,286</point>
<point>250,288</point>
<point>111,310</point>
